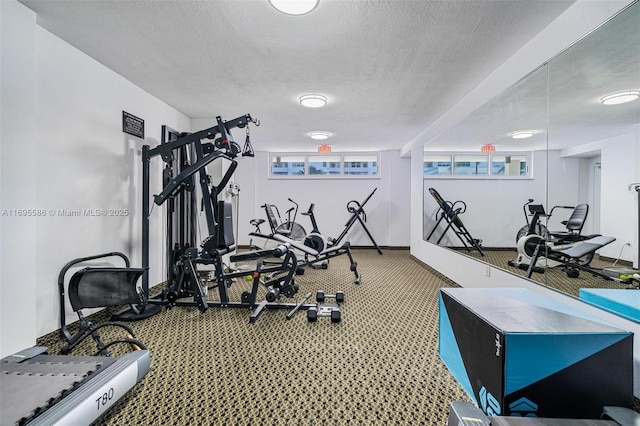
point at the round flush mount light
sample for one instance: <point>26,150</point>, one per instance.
<point>294,7</point>
<point>620,97</point>
<point>313,100</point>
<point>521,135</point>
<point>320,136</point>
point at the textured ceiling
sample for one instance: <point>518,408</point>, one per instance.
<point>389,67</point>
<point>563,96</point>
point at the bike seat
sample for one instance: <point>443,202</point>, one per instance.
<point>256,222</point>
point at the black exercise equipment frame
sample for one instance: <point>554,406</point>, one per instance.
<point>207,152</point>
<point>449,212</point>
<point>182,271</point>
<point>88,328</point>
<point>357,215</point>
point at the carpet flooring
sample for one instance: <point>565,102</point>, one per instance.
<point>379,365</point>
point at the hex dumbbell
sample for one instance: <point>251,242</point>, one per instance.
<point>321,296</point>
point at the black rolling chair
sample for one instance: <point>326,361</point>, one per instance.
<point>99,287</point>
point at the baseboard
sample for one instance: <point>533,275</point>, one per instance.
<point>245,247</point>
<point>486,248</point>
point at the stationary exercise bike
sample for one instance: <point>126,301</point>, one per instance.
<point>315,239</point>
<point>535,234</point>
<point>290,227</point>
<point>293,230</point>
<point>533,227</point>
<point>529,237</point>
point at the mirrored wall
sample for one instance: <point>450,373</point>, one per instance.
<point>569,148</point>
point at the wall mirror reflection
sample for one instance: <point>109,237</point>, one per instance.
<point>545,146</point>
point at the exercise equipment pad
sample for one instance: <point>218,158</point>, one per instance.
<point>37,388</point>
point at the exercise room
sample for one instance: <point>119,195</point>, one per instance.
<point>320,212</point>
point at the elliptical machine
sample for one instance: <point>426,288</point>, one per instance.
<point>530,236</point>
<point>315,239</point>
<point>533,227</point>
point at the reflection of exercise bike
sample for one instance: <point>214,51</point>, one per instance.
<point>534,226</point>
<point>535,234</point>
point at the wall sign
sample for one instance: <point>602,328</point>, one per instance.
<point>324,149</point>
<point>488,149</point>
<point>132,125</point>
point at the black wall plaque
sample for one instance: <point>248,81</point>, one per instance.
<point>132,125</point>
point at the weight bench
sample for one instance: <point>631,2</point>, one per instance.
<point>570,256</point>
<point>312,256</point>
<point>450,212</point>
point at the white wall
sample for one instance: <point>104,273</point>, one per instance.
<point>619,158</point>
<point>387,210</point>
<point>17,178</point>
<point>619,207</point>
<point>590,189</point>
<point>76,158</point>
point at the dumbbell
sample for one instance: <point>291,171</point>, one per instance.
<point>321,296</point>
<point>312,315</point>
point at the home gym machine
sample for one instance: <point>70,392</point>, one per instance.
<point>186,156</point>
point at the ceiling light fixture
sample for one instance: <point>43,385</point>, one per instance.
<point>620,97</point>
<point>294,7</point>
<point>521,135</point>
<point>320,136</point>
<point>313,100</point>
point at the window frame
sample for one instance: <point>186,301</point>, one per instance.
<point>313,157</point>
<point>439,155</point>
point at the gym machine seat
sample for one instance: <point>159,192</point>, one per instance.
<point>99,287</point>
<point>570,256</point>
<point>574,226</point>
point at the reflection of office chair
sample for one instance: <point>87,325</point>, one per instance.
<point>574,226</point>
<point>450,212</point>
<point>99,288</point>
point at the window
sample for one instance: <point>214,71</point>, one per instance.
<point>287,165</point>
<point>363,165</point>
<point>502,165</point>
<point>324,165</point>
<point>470,165</point>
<point>509,165</point>
<point>437,165</point>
